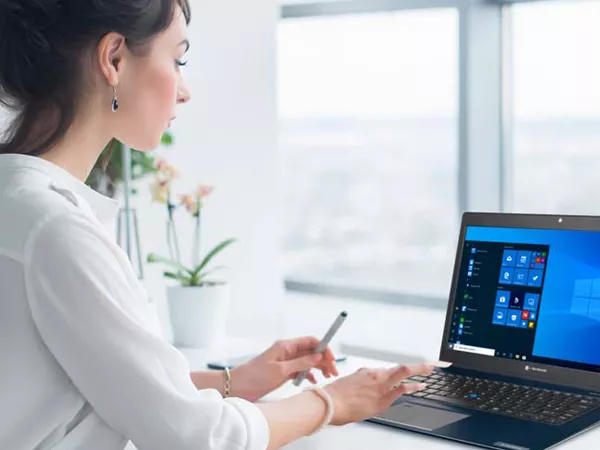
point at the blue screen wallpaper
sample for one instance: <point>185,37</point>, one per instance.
<point>569,319</point>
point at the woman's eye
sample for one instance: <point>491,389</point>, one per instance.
<point>181,63</point>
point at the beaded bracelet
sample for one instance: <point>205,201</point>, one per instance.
<point>328,400</point>
<point>227,390</point>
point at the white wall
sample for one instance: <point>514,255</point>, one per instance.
<point>227,136</point>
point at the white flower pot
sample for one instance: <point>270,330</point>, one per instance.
<point>199,314</point>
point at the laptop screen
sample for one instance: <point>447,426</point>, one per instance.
<point>531,295</point>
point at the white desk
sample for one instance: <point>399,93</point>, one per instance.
<point>360,436</point>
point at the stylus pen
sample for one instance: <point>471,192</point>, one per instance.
<point>324,343</point>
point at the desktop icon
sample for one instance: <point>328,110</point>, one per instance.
<point>516,300</point>
<point>520,277</point>
<point>502,298</point>
<point>531,302</point>
<point>523,259</point>
<point>500,316</point>
<point>535,278</point>
<point>513,318</point>
<point>531,325</point>
<point>509,258</point>
<point>464,308</point>
<point>506,276</point>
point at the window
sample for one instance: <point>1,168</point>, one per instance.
<point>368,137</point>
<point>556,77</point>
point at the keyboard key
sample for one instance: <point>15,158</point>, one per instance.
<point>452,401</point>
<point>418,378</point>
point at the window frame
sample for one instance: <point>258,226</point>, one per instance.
<point>484,115</point>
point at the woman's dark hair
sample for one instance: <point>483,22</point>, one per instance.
<point>46,47</point>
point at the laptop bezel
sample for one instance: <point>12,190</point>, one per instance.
<point>544,373</point>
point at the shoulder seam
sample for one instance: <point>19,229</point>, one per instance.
<point>27,248</point>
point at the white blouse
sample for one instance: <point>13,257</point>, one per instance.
<point>82,364</point>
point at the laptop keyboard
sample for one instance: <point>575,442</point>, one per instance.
<point>514,400</point>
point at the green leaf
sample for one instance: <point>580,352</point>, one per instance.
<point>153,258</point>
<point>214,252</point>
<point>142,164</point>
<point>195,281</point>
<point>182,279</point>
<point>203,275</point>
<point>167,139</point>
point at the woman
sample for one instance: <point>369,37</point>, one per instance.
<point>82,365</point>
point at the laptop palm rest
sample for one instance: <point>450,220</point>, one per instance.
<point>422,417</point>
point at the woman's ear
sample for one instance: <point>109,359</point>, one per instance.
<point>110,54</point>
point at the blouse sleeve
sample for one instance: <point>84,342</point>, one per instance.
<point>82,300</point>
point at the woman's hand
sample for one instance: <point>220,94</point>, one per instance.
<point>280,363</point>
<point>370,392</point>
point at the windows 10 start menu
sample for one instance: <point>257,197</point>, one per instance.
<point>498,299</point>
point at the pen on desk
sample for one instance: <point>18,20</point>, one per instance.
<point>324,343</point>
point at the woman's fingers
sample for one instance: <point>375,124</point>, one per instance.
<point>330,358</point>
<point>400,373</point>
<point>402,389</point>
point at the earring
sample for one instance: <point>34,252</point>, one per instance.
<point>115,102</point>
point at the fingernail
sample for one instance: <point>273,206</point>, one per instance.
<point>421,387</point>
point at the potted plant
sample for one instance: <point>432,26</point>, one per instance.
<point>198,303</point>
<point>106,178</point>
<point>107,174</point>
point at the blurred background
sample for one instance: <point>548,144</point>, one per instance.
<point>345,139</point>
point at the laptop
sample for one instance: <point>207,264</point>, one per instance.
<point>523,333</point>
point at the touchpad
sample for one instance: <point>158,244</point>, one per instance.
<point>421,417</point>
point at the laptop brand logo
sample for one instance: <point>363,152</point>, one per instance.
<point>535,369</point>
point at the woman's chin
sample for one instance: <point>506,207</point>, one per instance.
<point>147,145</point>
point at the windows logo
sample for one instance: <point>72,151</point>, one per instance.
<point>586,298</point>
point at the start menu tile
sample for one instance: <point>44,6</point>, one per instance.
<point>499,297</point>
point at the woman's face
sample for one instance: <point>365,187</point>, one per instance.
<point>151,87</point>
